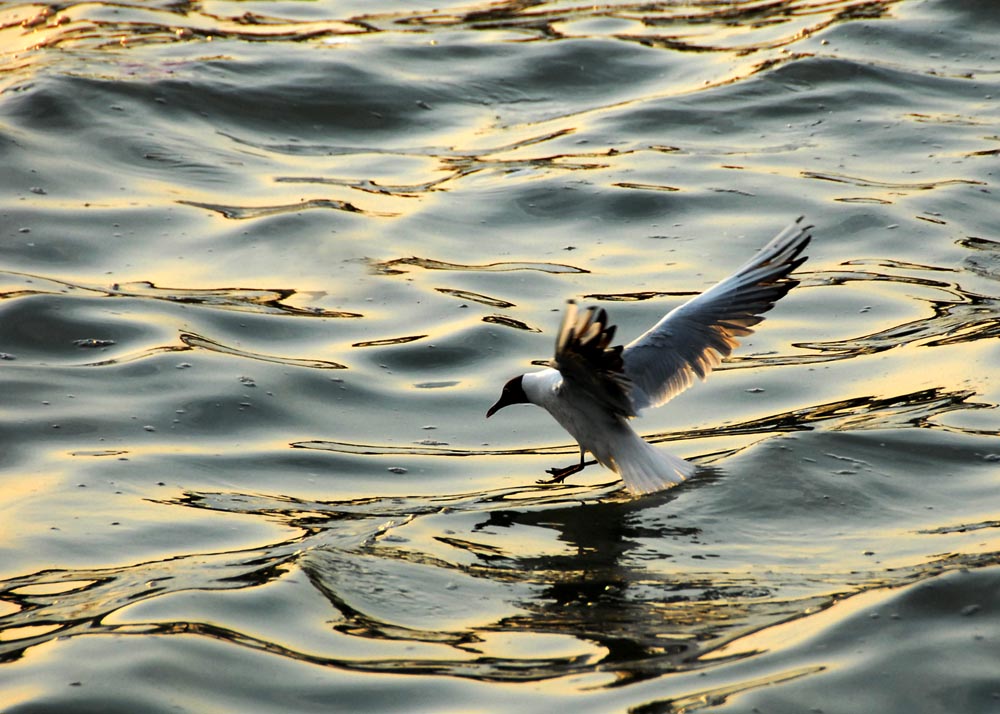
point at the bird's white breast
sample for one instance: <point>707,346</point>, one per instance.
<point>596,429</point>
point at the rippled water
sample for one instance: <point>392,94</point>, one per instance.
<point>264,266</point>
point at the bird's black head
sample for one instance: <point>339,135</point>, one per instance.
<point>513,393</point>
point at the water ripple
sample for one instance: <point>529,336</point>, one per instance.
<point>895,186</point>
<point>389,267</point>
<point>265,302</point>
<point>915,409</point>
<point>429,169</point>
<point>366,557</point>
<point>250,212</point>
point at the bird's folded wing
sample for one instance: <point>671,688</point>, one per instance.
<point>692,339</point>
<point>589,365</point>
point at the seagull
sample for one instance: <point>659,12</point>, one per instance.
<point>592,389</point>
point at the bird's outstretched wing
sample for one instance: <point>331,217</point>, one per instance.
<point>587,362</point>
<point>692,339</point>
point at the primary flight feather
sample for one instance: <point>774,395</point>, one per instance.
<point>593,388</point>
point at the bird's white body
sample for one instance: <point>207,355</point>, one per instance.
<point>609,437</point>
<point>593,389</point>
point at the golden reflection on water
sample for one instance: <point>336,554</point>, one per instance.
<point>573,585</point>
<point>11,634</point>
<point>63,586</point>
<point>800,630</point>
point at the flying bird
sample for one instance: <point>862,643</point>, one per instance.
<point>592,389</point>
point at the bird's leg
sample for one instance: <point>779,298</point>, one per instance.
<point>559,474</point>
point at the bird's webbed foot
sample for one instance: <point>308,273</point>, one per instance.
<point>559,474</point>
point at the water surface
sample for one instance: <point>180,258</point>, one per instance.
<point>264,266</point>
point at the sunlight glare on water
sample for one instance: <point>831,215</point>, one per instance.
<point>264,266</point>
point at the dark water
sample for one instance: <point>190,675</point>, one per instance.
<point>264,266</point>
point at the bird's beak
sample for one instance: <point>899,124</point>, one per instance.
<point>501,403</point>
<point>505,400</point>
<point>513,393</point>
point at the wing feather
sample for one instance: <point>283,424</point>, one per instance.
<point>691,340</point>
<point>587,362</point>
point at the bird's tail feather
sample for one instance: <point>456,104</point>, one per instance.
<point>646,469</point>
